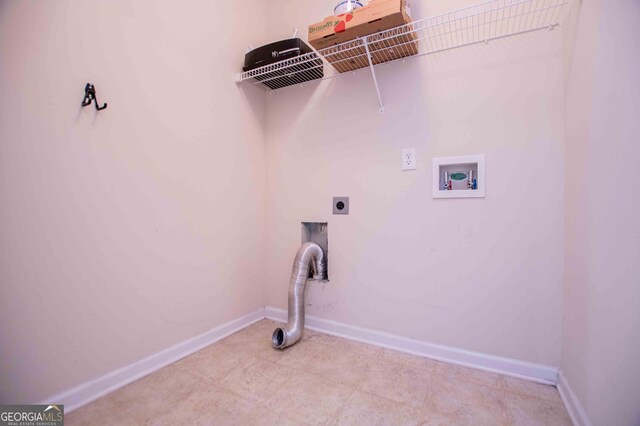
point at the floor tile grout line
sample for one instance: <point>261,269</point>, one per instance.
<point>426,396</point>
<point>505,409</point>
<point>344,406</point>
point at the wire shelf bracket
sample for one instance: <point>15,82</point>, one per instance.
<point>480,23</point>
<point>373,73</point>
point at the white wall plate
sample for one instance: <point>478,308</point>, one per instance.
<point>456,177</point>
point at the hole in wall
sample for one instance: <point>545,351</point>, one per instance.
<point>318,232</point>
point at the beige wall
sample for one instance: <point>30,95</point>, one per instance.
<point>126,231</point>
<point>482,274</point>
<point>601,340</point>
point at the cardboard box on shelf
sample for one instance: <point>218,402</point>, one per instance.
<point>378,15</point>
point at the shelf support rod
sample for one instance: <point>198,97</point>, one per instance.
<point>365,41</point>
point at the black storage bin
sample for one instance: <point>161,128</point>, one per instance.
<point>297,71</point>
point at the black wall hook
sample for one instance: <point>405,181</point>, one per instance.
<point>89,95</point>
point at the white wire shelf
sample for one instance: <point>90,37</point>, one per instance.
<point>480,23</point>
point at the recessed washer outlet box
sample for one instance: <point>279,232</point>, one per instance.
<point>340,205</point>
<point>318,232</point>
<point>459,177</point>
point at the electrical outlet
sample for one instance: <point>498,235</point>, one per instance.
<point>409,159</point>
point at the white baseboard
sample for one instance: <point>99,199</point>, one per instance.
<point>94,389</point>
<point>507,366</point>
<point>576,411</point>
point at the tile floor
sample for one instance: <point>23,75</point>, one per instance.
<point>320,380</point>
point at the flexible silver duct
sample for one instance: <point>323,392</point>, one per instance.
<point>309,255</point>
